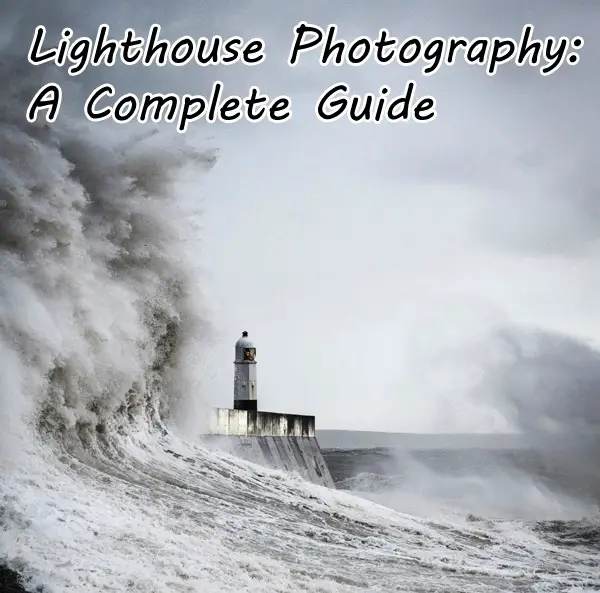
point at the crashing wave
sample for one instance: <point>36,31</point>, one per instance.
<point>98,296</point>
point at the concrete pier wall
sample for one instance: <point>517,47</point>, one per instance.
<point>280,441</point>
<point>228,422</point>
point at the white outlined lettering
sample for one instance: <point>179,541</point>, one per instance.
<point>203,51</point>
<point>409,51</point>
<point>155,103</point>
<point>34,57</point>
<point>359,51</point>
<point>63,45</point>
<point>48,97</point>
<point>300,45</point>
<point>151,50</point>
<point>547,54</point>
<point>434,54</point>
<point>90,104</point>
<point>335,103</point>
<point>131,43</point>
<point>103,45</point>
<point>530,50</point>
<point>125,109</point>
<point>383,42</point>
<point>186,109</point>
<point>77,53</point>
<point>577,43</point>
<point>477,52</point>
<point>335,47</point>
<point>502,50</point>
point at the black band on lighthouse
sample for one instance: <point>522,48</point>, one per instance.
<point>245,404</point>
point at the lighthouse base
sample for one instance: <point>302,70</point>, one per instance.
<point>280,441</point>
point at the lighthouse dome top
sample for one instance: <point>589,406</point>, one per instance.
<point>245,350</point>
<point>245,341</point>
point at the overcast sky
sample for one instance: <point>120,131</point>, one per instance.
<point>373,265</point>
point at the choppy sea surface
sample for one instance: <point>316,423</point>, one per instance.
<point>540,485</point>
<point>160,514</point>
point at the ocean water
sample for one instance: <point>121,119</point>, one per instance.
<point>473,483</point>
<point>106,486</point>
<point>156,513</point>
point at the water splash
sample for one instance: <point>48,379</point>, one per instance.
<point>98,298</point>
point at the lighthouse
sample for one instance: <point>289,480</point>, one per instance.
<point>244,382</point>
<point>285,442</point>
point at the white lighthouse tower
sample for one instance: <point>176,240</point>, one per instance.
<point>244,382</point>
<point>286,442</point>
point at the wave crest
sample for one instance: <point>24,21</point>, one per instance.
<point>95,300</point>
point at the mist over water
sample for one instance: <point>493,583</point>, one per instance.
<point>543,381</point>
<point>473,484</point>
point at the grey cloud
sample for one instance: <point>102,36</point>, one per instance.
<point>543,381</point>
